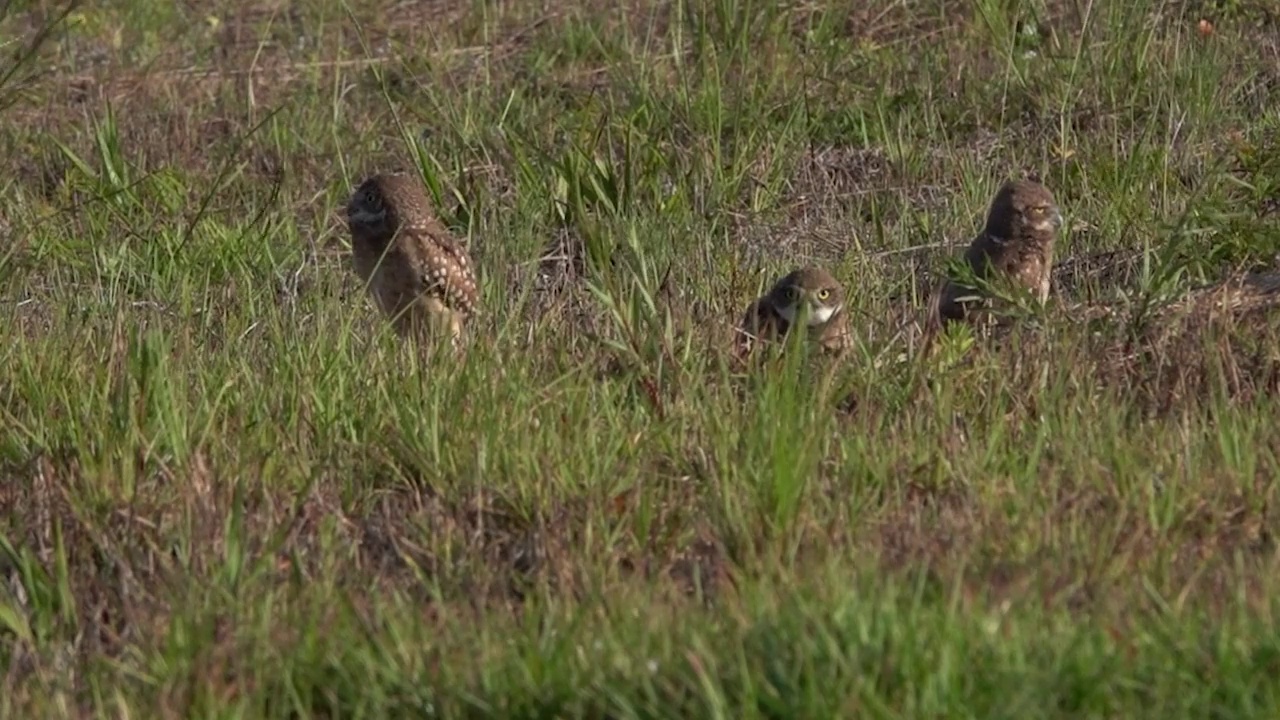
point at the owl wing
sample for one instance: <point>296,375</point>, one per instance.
<point>953,298</point>
<point>443,267</point>
<point>986,253</point>
<point>759,324</point>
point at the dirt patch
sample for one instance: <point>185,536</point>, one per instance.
<point>1216,342</point>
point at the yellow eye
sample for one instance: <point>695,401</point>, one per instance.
<point>823,294</point>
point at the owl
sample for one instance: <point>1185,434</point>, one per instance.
<point>1015,246</point>
<point>417,273</point>
<point>809,298</point>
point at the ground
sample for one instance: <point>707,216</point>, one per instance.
<point>228,489</point>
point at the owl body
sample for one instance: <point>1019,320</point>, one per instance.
<point>809,298</point>
<point>1015,246</point>
<point>418,275</point>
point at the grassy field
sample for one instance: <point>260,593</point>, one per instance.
<point>227,490</point>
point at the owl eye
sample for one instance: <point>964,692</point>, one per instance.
<point>824,293</point>
<point>791,294</point>
<point>371,199</point>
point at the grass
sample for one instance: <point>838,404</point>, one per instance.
<point>229,491</point>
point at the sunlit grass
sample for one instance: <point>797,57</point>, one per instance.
<point>229,490</point>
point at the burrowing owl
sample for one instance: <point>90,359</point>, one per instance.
<point>417,273</point>
<point>1015,246</point>
<point>809,297</point>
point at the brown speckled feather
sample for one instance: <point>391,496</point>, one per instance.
<point>417,273</point>
<point>1016,244</point>
<point>442,266</point>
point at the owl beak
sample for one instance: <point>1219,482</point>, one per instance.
<point>1056,219</point>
